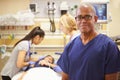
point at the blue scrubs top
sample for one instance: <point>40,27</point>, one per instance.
<point>91,61</point>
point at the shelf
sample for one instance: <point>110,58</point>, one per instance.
<point>102,21</point>
<point>41,48</point>
<point>45,19</point>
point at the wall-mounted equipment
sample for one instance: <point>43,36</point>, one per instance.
<point>101,11</point>
<point>51,13</point>
<point>64,7</point>
<point>33,7</point>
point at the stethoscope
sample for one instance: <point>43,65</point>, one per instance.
<point>28,54</point>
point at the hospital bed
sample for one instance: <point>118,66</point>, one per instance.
<point>39,73</point>
<point>116,39</point>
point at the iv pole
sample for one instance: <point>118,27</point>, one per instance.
<point>51,17</point>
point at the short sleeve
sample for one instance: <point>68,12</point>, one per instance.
<point>112,58</point>
<point>23,45</point>
<point>63,61</point>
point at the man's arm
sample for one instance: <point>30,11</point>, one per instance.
<point>113,76</point>
<point>65,76</point>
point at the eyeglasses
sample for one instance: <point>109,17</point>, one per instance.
<point>86,17</point>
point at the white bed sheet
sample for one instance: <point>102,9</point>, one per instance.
<point>39,73</point>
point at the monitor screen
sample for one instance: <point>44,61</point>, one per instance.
<point>101,11</point>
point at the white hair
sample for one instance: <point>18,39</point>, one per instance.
<point>83,4</point>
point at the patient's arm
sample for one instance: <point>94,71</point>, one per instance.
<point>21,77</point>
<point>43,63</point>
<point>34,59</point>
<point>55,67</point>
<point>52,65</point>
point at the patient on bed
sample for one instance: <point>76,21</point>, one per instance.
<point>47,61</point>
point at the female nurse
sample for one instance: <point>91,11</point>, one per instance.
<point>20,56</point>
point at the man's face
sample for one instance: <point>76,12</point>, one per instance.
<point>85,20</point>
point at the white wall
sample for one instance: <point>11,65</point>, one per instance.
<point>114,26</point>
<point>13,6</point>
